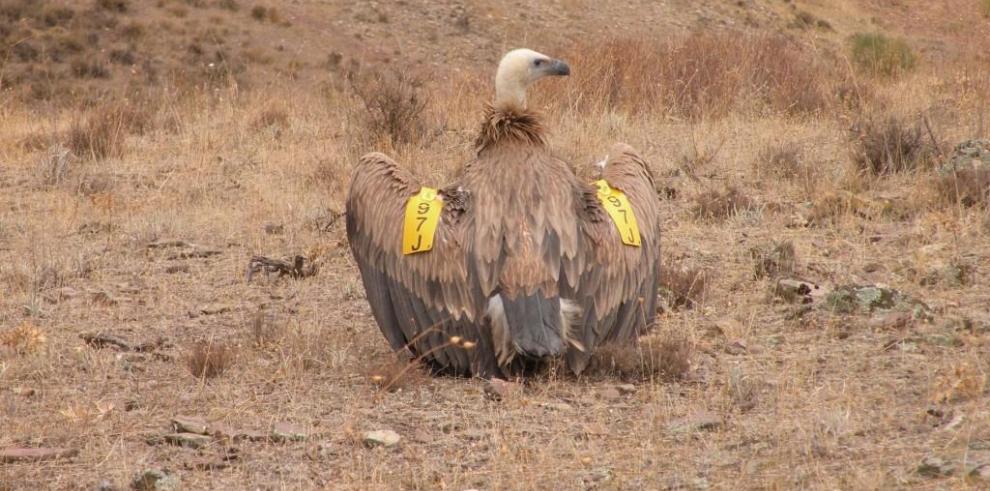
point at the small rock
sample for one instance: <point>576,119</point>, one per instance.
<point>15,454</point>
<point>795,291</point>
<point>106,485</point>
<point>383,438</point>
<point>155,480</point>
<point>557,406</point>
<point>177,268</point>
<point>497,389</point>
<point>737,347</point>
<point>188,440</point>
<point>214,308</point>
<point>699,421</point>
<point>190,424</point>
<point>23,391</point>
<point>935,467</point>
<point>980,473</point>
<point>892,320</point>
<point>283,432</point>
<point>626,389</point>
<point>610,394</point>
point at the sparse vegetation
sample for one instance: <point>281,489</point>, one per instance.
<point>208,359</point>
<point>719,204</point>
<point>881,55</point>
<point>889,145</point>
<point>186,164</point>
<point>392,105</point>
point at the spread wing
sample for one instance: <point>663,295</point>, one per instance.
<point>618,284</point>
<point>419,300</point>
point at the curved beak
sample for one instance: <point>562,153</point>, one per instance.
<point>559,68</point>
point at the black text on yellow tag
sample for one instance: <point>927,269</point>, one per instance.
<point>617,205</point>
<point>421,221</point>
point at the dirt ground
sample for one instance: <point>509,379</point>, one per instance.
<point>143,234</point>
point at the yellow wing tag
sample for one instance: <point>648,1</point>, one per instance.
<point>422,218</point>
<point>618,208</point>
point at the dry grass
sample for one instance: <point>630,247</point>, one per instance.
<point>890,145</point>
<point>719,204</point>
<point>208,359</point>
<point>152,241</point>
<point>392,105</point>
<point>682,286</point>
<point>652,359</point>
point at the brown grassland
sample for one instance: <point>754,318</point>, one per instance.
<point>148,150</point>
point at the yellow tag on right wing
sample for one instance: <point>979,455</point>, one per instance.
<point>621,212</point>
<point>421,221</point>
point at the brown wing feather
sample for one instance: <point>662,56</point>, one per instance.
<point>418,300</point>
<point>618,283</point>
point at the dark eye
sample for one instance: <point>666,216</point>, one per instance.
<point>537,62</point>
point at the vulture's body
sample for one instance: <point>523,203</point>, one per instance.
<point>526,264</point>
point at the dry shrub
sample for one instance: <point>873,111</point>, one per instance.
<point>264,332</point>
<point>23,339</point>
<point>682,286</point>
<point>274,118</point>
<point>780,160</point>
<point>54,165</point>
<point>651,358</point>
<point>879,55</point>
<point>102,134</point>
<point>393,105</point>
<point>965,381</point>
<point>394,372</point>
<point>968,187</point>
<point>207,359</point>
<point>889,145</point>
<point>704,74</point>
<point>774,260</point>
<point>717,204</point>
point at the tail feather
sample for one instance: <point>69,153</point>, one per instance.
<point>534,324</point>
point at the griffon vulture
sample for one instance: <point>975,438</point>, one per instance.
<point>526,261</point>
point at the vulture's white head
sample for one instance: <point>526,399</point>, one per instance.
<point>518,69</point>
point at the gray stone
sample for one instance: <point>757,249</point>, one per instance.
<point>381,438</point>
<point>282,432</point>
<point>968,155</point>
<point>698,421</point>
<point>935,467</point>
<point>188,440</point>
<point>867,299</point>
<point>190,424</point>
<point>34,454</point>
<point>155,480</point>
<point>626,388</point>
<point>498,389</point>
<point>795,291</point>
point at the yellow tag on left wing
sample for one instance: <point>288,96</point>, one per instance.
<point>618,208</point>
<point>422,219</point>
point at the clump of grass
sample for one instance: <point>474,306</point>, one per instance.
<point>395,372</point>
<point>682,286</point>
<point>701,75</point>
<point>207,359</point>
<point>969,187</point>
<point>82,68</point>
<point>652,358</point>
<point>54,165</point>
<point>274,118</point>
<point>393,105</point>
<point>716,204</point>
<point>264,331</point>
<point>880,55</point>
<point>23,339</point>
<point>261,13</point>
<point>101,135</point>
<point>888,146</point>
<point>774,260</point>
<point>780,160</point>
<point>114,5</point>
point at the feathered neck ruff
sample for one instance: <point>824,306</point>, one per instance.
<point>509,125</point>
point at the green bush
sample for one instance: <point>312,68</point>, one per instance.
<point>878,54</point>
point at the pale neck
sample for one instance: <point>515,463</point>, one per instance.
<point>509,94</point>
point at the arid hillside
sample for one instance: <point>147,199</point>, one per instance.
<point>179,308</point>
